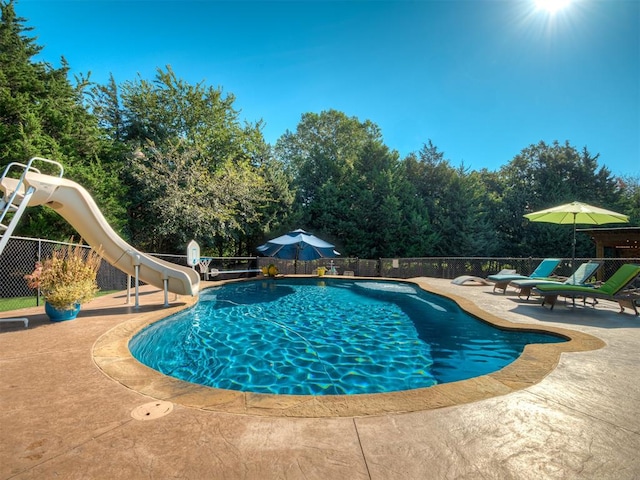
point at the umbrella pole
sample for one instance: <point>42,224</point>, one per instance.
<point>573,256</point>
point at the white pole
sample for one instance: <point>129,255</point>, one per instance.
<point>573,256</point>
<point>136,264</point>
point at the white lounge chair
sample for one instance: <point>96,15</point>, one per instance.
<point>470,279</point>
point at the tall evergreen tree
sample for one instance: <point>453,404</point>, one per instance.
<point>455,203</point>
<point>42,114</point>
<point>543,176</point>
<point>630,198</point>
<point>350,188</point>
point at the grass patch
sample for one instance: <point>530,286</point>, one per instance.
<point>16,303</point>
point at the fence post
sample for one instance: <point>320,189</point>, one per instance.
<point>39,260</point>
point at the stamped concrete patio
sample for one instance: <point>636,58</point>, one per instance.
<point>62,416</point>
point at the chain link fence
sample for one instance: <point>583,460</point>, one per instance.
<point>19,259</point>
<point>21,254</point>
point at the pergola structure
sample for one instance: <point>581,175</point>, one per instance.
<point>625,241</point>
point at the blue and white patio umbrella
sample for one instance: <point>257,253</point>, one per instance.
<point>298,245</point>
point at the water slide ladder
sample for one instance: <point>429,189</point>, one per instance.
<point>16,197</point>
<point>15,200</point>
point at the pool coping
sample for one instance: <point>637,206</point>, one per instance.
<point>111,355</point>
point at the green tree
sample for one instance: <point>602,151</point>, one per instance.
<point>43,114</point>
<point>323,149</point>
<point>179,198</point>
<point>350,188</point>
<point>195,167</point>
<point>543,176</point>
<point>389,218</point>
<point>484,238</point>
<point>21,81</point>
<point>455,201</point>
<point>321,155</point>
<point>362,210</point>
<point>630,198</point>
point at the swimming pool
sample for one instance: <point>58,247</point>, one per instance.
<point>326,337</point>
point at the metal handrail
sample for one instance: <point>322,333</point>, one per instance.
<point>28,167</point>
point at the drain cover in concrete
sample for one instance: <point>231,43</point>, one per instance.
<point>153,410</point>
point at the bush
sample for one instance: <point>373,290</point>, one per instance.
<point>68,277</point>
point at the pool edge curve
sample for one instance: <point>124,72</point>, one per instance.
<point>111,355</point>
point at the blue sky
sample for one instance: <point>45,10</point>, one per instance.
<point>482,79</point>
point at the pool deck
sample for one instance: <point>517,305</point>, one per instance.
<point>62,416</point>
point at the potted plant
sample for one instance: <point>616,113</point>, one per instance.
<point>66,280</point>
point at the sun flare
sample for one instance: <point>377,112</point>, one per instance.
<point>552,6</point>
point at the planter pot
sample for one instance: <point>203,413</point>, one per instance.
<point>58,315</point>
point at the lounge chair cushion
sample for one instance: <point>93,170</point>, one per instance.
<point>617,282</point>
<point>542,271</point>
<point>612,289</point>
<point>581,275</point>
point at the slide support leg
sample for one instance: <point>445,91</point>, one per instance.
<point>165,281</point>
<point>137,286</point>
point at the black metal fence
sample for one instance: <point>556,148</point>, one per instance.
<point>21,254</point>
<point>438,267</point>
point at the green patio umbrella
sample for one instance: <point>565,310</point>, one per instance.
<point>577,213</point>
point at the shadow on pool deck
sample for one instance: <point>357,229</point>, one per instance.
<point>63,417</point>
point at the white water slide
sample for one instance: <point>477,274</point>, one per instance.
<point>78,208</point>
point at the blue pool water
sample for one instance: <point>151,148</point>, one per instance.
<point>326,337</point>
